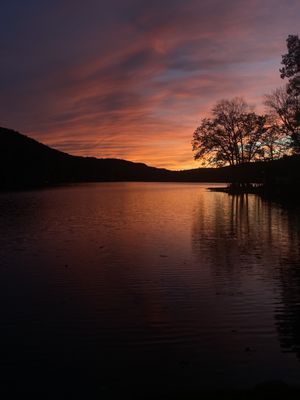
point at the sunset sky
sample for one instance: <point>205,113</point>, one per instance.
<point>131,79</point>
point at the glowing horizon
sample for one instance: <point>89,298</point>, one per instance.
<point>130,79</point>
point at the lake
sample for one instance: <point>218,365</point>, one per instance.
<point>146,288</point>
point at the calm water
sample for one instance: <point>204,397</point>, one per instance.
<point>146,288</point>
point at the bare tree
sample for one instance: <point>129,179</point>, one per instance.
<point>232,136</point>
<point>284,108</point>
<point>275,143</point>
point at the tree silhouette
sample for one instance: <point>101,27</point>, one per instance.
<point>282,109</point>
<point>291,62</point>
<point>291,70</point>
<point>233,136</point>
<point>275,143</point>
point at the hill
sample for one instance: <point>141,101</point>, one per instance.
<point>26,163</point>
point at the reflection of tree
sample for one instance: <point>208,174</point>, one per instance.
<point>288,311</point>
<point>242,236</point>
<point>236,233</point>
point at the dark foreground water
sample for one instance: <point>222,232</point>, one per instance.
<point>110,289</point>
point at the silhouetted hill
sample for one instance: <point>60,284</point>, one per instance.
<point>25,163</point>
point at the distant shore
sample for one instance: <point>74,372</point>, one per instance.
<point>278,192</point>
<point>27,164</point>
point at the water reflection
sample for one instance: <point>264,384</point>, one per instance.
<point>244,237</point>
<point>288,309</point>
<point>164,286</point>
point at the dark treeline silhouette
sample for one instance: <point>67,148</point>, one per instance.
<point>26,163</point>
<point>235,135</point>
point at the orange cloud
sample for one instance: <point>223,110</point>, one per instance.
<point>133,79</point>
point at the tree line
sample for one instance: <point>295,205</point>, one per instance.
<point>236,134</point>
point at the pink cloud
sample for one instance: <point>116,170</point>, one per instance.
<point>133,82</point>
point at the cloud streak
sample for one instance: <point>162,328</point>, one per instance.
<point>131,79</point>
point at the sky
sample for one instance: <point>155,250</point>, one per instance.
<point>132,79</point>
